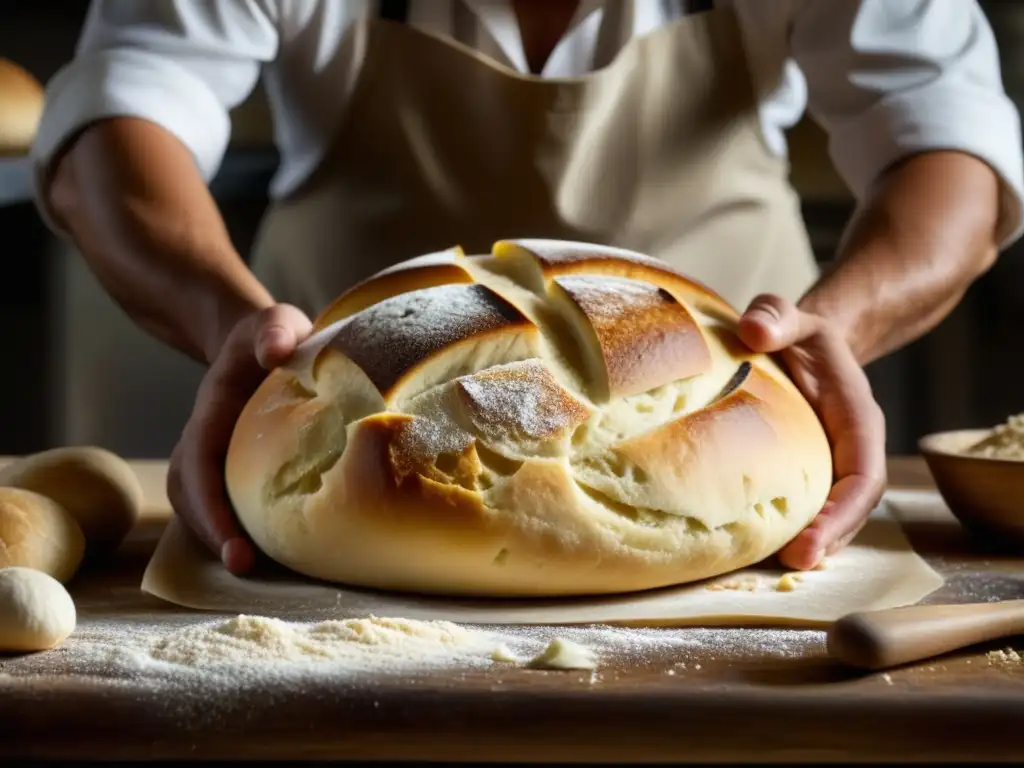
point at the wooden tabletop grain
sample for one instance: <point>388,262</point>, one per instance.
<point>731,704</point>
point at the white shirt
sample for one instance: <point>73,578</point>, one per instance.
<point>885,78</point>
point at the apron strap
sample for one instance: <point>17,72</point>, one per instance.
<point>395,10</point>
<point>691,7</point>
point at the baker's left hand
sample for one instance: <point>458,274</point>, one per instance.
<point>824,367</point>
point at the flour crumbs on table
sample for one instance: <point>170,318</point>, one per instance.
<point>207,668</point>
<point>386,644</point>
<point>374,641</point>
<point>1006,657</point>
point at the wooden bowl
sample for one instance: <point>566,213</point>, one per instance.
<point>985,495</point>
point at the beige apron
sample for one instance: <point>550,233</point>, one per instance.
<point>659,149</point>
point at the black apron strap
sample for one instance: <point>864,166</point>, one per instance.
<point>697,6</point>
<point>394,10</point>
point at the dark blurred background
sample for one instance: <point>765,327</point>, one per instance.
<point>965,373</point>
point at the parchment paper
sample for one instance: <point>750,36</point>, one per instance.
<point>879,569</point>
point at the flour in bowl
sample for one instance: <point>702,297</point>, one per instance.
<point>1006,441</point>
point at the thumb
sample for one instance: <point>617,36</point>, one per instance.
<point>279,329</point>
<point>770,324</point>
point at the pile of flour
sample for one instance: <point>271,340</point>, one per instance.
<point>260,640</point>
<point>1005,441</point>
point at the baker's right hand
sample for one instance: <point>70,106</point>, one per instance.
<point>257,344</point>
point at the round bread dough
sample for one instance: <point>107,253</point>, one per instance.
<point>551,419</point>
<point>36,532</point>
<point>21,107</point>
<point>98,489</point>
<point>36,612</point>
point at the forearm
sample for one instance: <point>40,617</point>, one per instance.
<point>910,253</point>
<point>130,196</point>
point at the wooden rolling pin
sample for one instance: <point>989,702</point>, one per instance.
<point>889,638</point>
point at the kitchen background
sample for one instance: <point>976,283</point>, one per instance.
<point>968,372</point>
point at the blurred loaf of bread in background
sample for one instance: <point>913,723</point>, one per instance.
<point>21,107</point>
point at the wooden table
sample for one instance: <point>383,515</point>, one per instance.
<point>736,707</point>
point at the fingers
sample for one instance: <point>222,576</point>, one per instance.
<point>198,497</point>
<point>849,413</point>
<point>772,323</point>
<point>196,487</point>
<point>855,425</point>
<point>840,520</point>
<point>279,329</point>
<point>825,368</point>
<point>196,483</point>
<point>260,342</point>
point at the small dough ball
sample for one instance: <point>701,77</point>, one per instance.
<point>98,489</point>
<point>37,532</point>
<point>503,654</point>
<point>564,654</point>
<point>36,612</point>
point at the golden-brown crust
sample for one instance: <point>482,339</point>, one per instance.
<point>392,338</point>
<point>646,338</point>
<point>443,268</point>
<point>491,474</point>
<point>556,258</point>
<point>36,532</point>
<point>95,486</point>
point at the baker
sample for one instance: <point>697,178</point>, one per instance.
<point>405,128</point>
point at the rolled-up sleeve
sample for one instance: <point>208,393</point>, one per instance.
<point>891,78</point>
<point>182,64</point>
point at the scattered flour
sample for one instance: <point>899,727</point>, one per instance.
<point>259,640</point>
<point>247,648</point>
<point>207,671</point>
<point>424,439</point>
<point>737,584</point>
<point>523,400</point>
<point>788,582</point>
<point>393,336</point>
<point>605,298</point>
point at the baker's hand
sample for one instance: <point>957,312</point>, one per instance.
<point>195,483</point>
<point>825,369</point>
